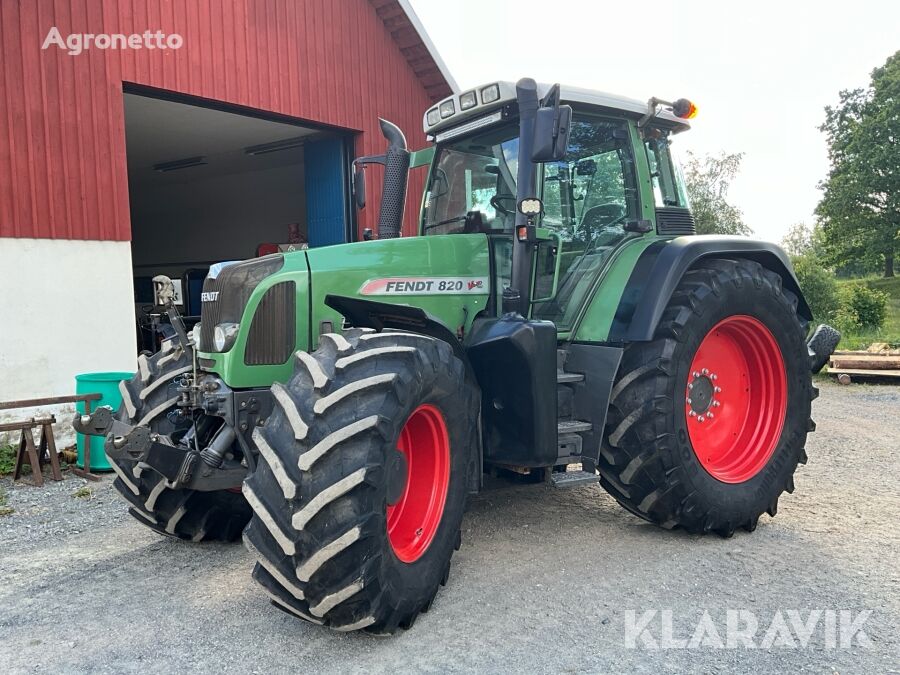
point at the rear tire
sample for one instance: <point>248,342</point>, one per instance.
<point>712,472</point>
<point>147,399</point>
<point>362,480</point>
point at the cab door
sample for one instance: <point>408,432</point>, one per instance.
<point>588,198</point>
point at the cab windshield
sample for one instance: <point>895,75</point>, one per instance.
<point>473,184</point>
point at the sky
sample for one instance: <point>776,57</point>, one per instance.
<point>760,72</point>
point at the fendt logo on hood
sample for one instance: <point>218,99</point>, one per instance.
<point>425,286</point>
<point>209,296</point>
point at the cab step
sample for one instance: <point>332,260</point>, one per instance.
<point>572,427</point>
<point>573,479</point>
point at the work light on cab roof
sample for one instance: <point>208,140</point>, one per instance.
<point>473,104</point>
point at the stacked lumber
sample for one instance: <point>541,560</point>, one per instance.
<point>879,360</point>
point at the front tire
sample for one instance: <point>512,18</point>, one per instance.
<point>362,480</point>
<point>148,399</point>
<point>709,420</point>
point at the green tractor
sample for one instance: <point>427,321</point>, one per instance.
<point>556,318</point>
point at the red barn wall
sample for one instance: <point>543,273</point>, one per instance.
<point>62,153</point>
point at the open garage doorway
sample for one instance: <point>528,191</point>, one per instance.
<point>208,184</point>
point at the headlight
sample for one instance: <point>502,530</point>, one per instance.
<point>223,336</point>
<point>467,100</point>
<point>447,108</point>
<point>490,94</point>
<point>433,117</point>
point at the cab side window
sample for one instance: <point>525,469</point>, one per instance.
<point>666,178</point>
<point>594,188</point>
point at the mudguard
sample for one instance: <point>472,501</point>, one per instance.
<point>662,265</point>
<point>381,315</point>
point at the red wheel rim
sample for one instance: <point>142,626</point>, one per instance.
<point>736,398</point>
<point>413,521</point>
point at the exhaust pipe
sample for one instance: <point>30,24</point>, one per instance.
<point>396,172</point>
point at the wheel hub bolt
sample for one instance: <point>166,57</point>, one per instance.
<point>701,419</point>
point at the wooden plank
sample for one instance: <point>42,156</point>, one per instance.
<point>51,400</point>
<point>864,373</point>
<point>870,362</point>
<point>17,426</point>
<point>48,444</point>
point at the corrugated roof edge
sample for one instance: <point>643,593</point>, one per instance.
<point>429,45</point>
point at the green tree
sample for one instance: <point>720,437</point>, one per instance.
<point>819,286</point>
<point>708,179</point>
<point>804,240</point>
<point>860,208</point>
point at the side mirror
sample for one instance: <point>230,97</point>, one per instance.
<point>359,187</point>
<point>552,125</point>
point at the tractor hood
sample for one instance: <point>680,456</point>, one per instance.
<point>274,306</point>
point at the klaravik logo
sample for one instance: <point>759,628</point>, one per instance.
<point>75,43</point>
<point>744,629</point>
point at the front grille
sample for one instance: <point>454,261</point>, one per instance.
<point>225,296</point>
<point>273,333</point>
<point>210,313</point>
<point>674,220</point>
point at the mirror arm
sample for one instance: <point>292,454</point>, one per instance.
<point>653,106</point>
<point>371,159</point>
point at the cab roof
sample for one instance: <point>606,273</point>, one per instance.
<point>578,96</point>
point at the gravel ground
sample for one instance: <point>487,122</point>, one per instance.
<point>544,582</point>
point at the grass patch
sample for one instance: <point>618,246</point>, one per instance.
<point>4,509</point>
<point>890,331</point>
<point>7,459</point>
<point>83,493</point>
<point>8,462</point>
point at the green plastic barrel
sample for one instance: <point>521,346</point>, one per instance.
<point>107,385</point>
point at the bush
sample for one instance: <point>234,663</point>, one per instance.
<point>819,287</point>
<point>7,459</point>
<point>861,307</point>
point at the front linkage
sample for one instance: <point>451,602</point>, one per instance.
<point>202,399</point>
<point>182,466</point>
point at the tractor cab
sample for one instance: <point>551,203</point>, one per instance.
<point>616,178</point>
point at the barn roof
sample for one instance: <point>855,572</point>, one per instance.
<point>409,34</point>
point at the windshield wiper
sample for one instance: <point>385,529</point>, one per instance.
<point>457,219</point>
